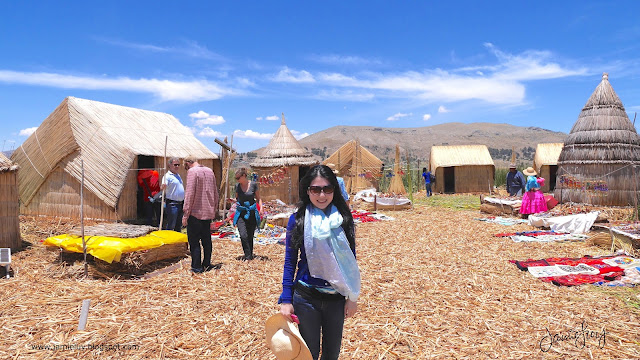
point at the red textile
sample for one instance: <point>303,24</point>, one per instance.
<point>152,181</point>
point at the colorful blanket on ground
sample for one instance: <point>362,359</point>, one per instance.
<point>502,220</point>
<point>542,236</point>
<point>271,234</point>
<point>602,270</point>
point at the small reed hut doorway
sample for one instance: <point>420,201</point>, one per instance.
<point>144,162</point>
<point>553,173</point>
<point>303,171</point>
<point>449,179</point>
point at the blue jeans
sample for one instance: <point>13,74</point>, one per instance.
<point>428,187</point>
<point>320,316</point>
<point>173,213</point>
<point>199,231</point>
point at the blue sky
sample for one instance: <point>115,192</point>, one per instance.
<point>233,67</point>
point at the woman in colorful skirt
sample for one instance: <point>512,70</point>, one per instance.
<point>533,201</point>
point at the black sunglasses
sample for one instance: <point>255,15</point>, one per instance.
<point>316,190</point>
<point>175,164</point>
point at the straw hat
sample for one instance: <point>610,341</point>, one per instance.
<point>284,339</point>
<point>512,166</point>
<point>529,171</point>
<point>332,167</point>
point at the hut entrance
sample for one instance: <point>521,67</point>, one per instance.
<point>303,171</point>
<point>144,162</point>
<point>450,179</point>
<point>553,172</point>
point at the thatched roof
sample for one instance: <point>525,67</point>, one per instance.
<point>6,164</point>
<point>284,150</point>
<point>107,137</point>
<point>602,133</point>
<point>353,154</point>
<point>459,155</point>
<point>547,154</point>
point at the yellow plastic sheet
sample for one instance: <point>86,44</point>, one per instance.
<point>111,249</point>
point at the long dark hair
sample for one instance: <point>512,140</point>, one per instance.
<point>297,236</point>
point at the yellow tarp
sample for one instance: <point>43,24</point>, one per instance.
<point>110,249</point>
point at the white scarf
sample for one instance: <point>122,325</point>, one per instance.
<point>328,253</point>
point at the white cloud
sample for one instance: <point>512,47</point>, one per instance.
<point>166,90</point>
<point>343,60</point>
<point>205,118</point>
<point>250,134</point>
<point>426,117</point>
<point>259,118</point>
<point>190,48</point>
<point>442,109</point>
<point>298,135</point>
<point>398,116</point>
<point>293,76</point>
<point>345,95</point>
<point>272,118</point>
<point>28,131</point>
<point>209,132</point>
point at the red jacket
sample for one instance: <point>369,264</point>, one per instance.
<point>152,182</point>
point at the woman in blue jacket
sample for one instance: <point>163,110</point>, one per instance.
<point>320,243</point>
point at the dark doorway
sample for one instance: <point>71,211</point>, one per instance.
<point>553,172</point>
<point>144,162</point>
<point>449,180</point>
<point>303,171</point>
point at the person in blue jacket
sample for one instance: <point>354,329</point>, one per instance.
<point>320,244</point>
<point>426,175</point>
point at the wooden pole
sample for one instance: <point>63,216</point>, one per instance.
<point>166,138</point>
<point>84,242</point>
<point>635,192</point>
<point>410,178</point>
<point>226,185</point>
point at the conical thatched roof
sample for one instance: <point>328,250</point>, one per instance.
<point>284,150</point>
<point>6,164</point>
<point>351,155</point>
<point>107,137</point>
<point>602,145</point>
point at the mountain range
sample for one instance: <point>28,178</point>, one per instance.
<point>381,141</point>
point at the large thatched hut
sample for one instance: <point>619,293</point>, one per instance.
<point>359,168</point>
<point>462,168</point>
<point>113,142</point>
<point>545,162</point>
<point>599,162</point>
<point>9,208</point>
<point>281,165</point>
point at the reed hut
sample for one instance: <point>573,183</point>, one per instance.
<point>599,161</point>
<point>9,206</point>
<point>545,161</point>
<point>281,165</point>
<point>462,169</point>
<point>113,142</point>
<point>357,165</point>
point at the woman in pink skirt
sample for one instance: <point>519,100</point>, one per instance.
<point>533,201</point>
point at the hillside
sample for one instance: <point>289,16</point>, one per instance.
<point>499,138</point>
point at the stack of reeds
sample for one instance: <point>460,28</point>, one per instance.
<point>9,205</point>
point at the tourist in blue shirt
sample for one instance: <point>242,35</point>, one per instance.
<point>322,233</point>
<point>174,195</point>
<point>427,180</point>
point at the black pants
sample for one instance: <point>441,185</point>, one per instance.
<point>247,229</point>
<point>199,231</point>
